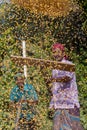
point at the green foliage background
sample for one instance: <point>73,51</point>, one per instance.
<point>40,32</point>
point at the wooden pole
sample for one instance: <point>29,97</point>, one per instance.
<point>46,63</point>
<point>25,74</point>
<point>24,56</point>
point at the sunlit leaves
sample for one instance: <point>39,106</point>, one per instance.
<point>47,7</point>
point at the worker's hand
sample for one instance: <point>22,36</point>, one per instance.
<point>32,101</point>
<point>63,79</point>
<point>14,105</point>
<point>29,101</point>
<point>49,80</point>
<point>59,79</point>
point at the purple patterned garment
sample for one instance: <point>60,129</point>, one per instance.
<point>65,95</point>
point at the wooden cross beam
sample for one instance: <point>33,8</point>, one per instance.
<point>19,60</point>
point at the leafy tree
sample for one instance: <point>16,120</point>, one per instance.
<point>40,32</point>
<point>83,4</point>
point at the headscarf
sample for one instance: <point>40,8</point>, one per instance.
<point>61,47</point>
<point>19,75</point>
<point>58,45</point>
